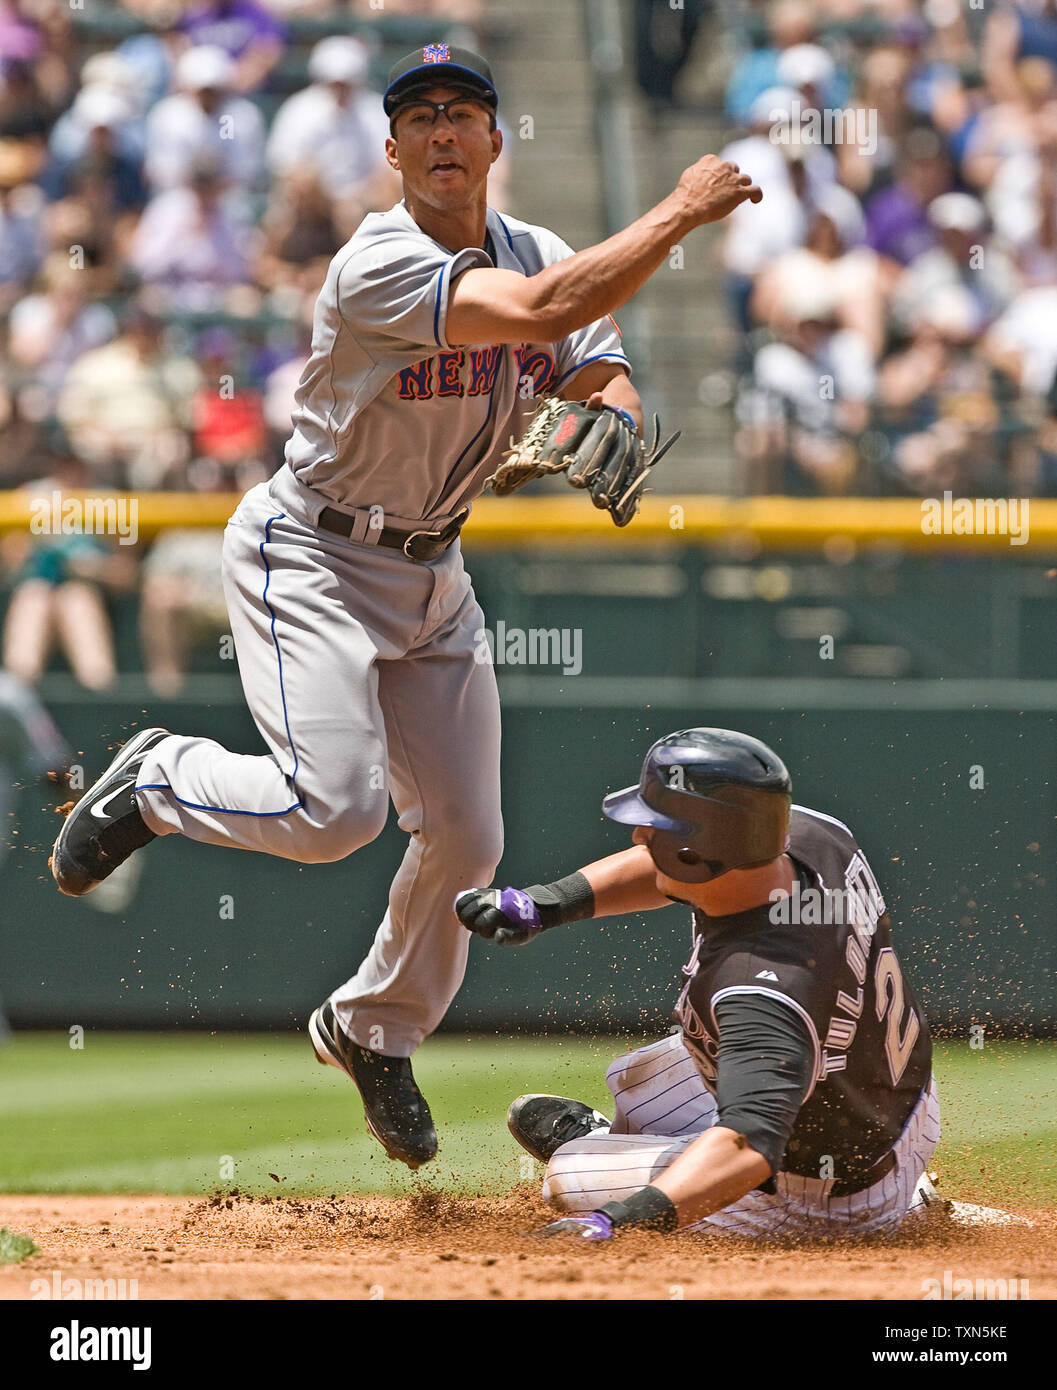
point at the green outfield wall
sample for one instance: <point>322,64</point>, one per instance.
<point>912,697</point>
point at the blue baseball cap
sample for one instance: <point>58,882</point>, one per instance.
<point>439,65</point>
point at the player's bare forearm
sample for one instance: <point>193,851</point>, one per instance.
<point>620,883</point>
<point>502,306</point>
<point>716,1169</point>
<point>605,383</point>
<point>624,882</point>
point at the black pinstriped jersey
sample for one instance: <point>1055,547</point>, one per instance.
<point>826,952</point>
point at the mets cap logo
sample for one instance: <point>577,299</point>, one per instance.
<point>436,53</point>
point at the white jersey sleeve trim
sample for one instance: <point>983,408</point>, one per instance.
<point>821,815</point>
<point>469,258</point>
<point>784,999</point>
<point>613,356</point>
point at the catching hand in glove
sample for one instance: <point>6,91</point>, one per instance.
<point>596,448</point>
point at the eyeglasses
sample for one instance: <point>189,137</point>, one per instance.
<point>421,113</point>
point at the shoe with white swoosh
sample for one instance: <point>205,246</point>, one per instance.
<point>105,826</point>
<point>542,1124</point>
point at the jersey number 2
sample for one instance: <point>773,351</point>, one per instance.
<point>897,1049</point>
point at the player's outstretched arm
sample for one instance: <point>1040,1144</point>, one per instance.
<point>620,883</point>
<point>501,306</point>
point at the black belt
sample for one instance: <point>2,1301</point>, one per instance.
<point>416,545</point>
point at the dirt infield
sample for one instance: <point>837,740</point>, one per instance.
<point>431,1246</point>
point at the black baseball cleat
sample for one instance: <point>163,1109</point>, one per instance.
<point>105,826</point>
<point>542,1124</point>
<point>396,1110</point>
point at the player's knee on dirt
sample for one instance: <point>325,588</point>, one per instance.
<point>564,1189</point>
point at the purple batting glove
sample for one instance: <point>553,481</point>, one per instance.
<point>508,915</point>
<point>594,1225</point>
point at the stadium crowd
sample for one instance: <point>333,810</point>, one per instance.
<point>894,294</point>
<point>176,174</point>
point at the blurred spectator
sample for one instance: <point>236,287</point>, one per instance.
<point>246,32</point>
<point>37,42</point>
<point>227,415</point>
<point>1014,32</point>
<point>790,22</point>
<point>19,38</point>
<point>25,112</point>
<point>58,587</point>
<point>205,117</point>
<point>832,278</point>
<point>964,262</point>
<point>105,161</point>
<point>879,101</point>
<point>126,406</point>
<point>300,235</point>
<point>51,329</point>
<point>812,386</point>
<point>1009,129</point>
<point>897,218</point>
<point>1022,343</point>
<point>1014,160</point>
<point>809,69</point>
<point>181,601</point>
<point>792,173</point>
<point>98,105</point>
<point>939,410</point>
<point>150,57</point>
<point>336,127</point>
<point>190,244</point>
<point>182,597</point>
<point>21,232</point>
<point>664,39</point>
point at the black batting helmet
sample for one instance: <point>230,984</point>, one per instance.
<point>715,799</point>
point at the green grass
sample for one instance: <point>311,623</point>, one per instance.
<point>157,1112</point>
<point>15,1247</point>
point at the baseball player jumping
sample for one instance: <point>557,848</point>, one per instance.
<point>354,621</point>
<point>798,1097</point>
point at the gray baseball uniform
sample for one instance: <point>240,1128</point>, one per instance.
<point>358,663</point>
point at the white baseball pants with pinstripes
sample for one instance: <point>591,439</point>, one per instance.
<point>662,1106</point>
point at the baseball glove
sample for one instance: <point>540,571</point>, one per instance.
<point>599,450</point>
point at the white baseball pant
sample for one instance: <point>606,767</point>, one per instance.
<point>359,669</point>
<point>662,1106</point>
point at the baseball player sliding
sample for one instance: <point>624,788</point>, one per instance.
<point>353,617</point>
<point>798,1098</point>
